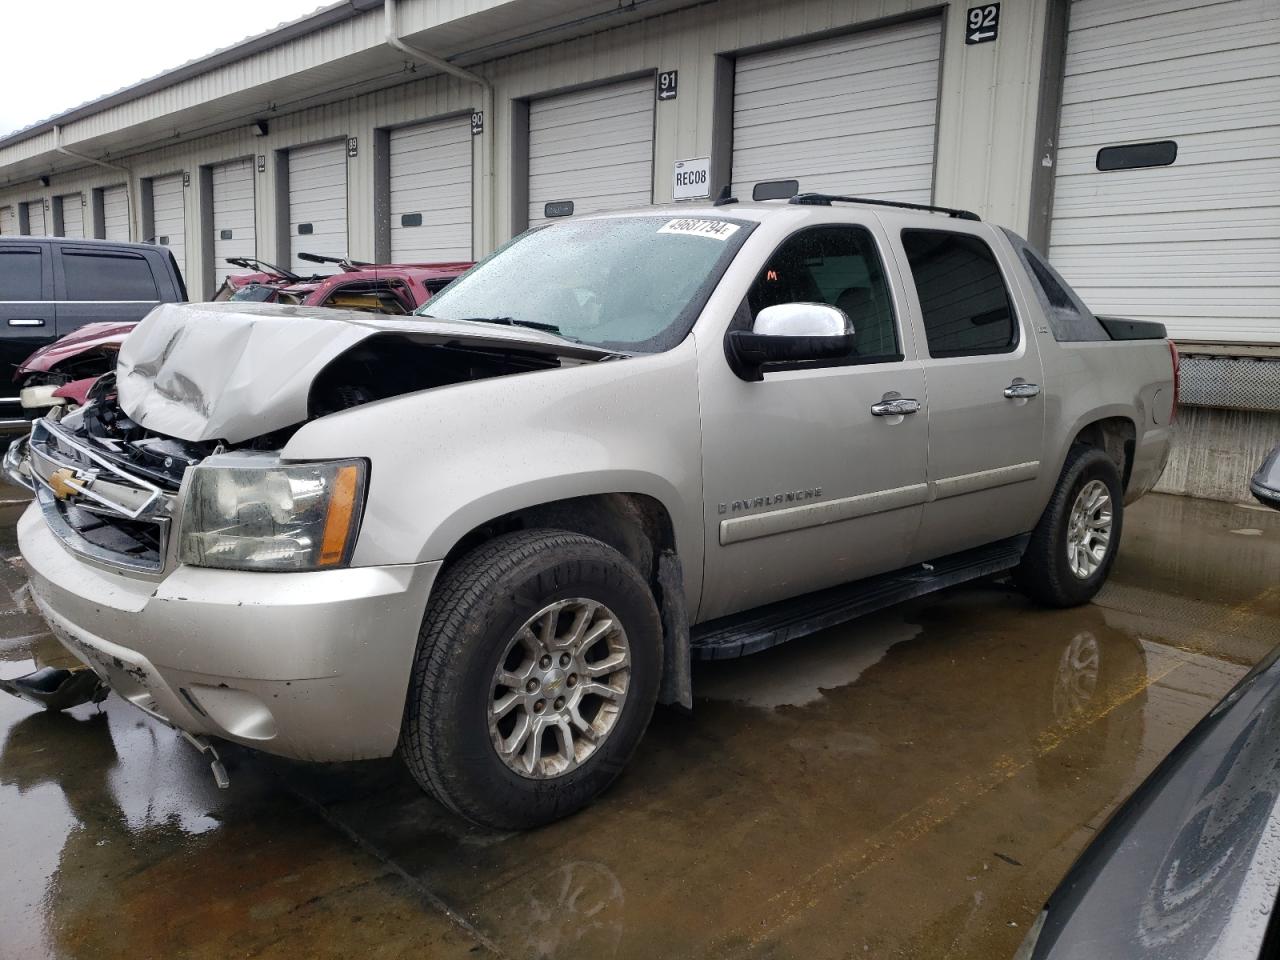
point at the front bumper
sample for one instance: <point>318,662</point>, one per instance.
<point>313,666</point>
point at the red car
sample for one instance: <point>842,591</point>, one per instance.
<point>392,288</point>
<point>62,372</point>
<point>263,275</point>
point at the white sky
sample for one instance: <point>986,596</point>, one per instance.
<point>60,53</point>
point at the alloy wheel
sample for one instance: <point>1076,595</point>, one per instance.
<point>1089,529</point>
<point>559,688</point>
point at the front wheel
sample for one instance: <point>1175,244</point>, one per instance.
<point>1075,542</point>
<point>537,671</point>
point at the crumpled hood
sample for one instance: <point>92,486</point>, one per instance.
<point>233,371</point>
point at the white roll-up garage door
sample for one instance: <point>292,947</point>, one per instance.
<point>8,222</point>
<point>233,216</point>
<point>1194,244</point>
<point>115,213</point>
<point>317,202</point>
<point>431,192</point>
<point>168,213</point>
<point>853,115</point>
<point>35,219</point>
<point>594,147</point>
<point>72,216</point>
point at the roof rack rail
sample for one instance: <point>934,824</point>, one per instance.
<point>826,199</point>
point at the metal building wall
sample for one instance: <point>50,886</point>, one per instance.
<point>987,109</point>
<point>1194,243</point>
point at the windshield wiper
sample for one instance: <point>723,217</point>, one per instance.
<point>506,322</point>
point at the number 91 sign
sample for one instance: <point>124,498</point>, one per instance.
<point>667,84</point>
<point>982,24</point>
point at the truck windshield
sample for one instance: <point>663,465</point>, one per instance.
<point>633,284</point>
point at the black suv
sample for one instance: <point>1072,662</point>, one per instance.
<point>50,286</point>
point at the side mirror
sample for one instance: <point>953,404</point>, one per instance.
<point>1265,485</point>
<point>790,333</point>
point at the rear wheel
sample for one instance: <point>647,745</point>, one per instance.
<point>1074,544</point>
<point>537,671</point>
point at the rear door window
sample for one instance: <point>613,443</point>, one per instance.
<point>966,306</point>
<point>20,275</point>
<point>107,276</point>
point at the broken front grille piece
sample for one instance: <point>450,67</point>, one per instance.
<point>96,507</point>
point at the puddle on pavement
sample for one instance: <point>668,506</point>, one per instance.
<point>115,841</point>
<point>924,787</point>
<point>912,784</point>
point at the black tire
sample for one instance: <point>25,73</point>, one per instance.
<point>1045,574</point>
<point>477,607</point>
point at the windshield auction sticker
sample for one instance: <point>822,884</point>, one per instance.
<point>713,229</point>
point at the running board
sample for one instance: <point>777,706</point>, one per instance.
<point>751,631</point>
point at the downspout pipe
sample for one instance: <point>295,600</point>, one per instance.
<point>394,40</point>
<point>128,176</point>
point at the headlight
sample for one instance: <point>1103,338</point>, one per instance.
<point>269,516</point>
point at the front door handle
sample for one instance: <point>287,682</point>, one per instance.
<point>901,406</point>
<point>26,322</point>
<point>1022,391</point>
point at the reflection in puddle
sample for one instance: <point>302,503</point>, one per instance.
<point>811,668</point>
<point>573,910</point>
<point>1077,676</point>
<point>93,807</point>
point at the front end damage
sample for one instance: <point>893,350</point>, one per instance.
<point>215,642</point>
<point>239,372</point>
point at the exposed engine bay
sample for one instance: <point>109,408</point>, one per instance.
<point>389,366</point>
<point>162,460</point>
<point>378,365</point>
<point>240,373</point>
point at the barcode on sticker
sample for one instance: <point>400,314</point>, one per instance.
<point>714,229</point>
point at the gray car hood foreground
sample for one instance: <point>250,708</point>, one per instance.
<point>1189,867</point>
<point>234,371</point>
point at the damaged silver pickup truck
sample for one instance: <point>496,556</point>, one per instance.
<point>494,537</point>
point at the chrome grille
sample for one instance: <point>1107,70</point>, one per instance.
<point>95,506</point>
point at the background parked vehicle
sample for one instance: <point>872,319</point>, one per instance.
<point>1265,485</point>
<point>261,274</point>
<point>51,287</point>
<point>61,372</point>
<point>392,288</point>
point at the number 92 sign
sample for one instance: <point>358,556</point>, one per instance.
<point>982,24</point>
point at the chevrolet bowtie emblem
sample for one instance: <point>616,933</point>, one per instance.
<point>64,483</point>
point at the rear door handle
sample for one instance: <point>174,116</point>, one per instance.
<point>1022,391</point>
<point>895,408</point>
<point>26,322</point>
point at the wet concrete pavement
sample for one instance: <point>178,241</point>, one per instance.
<point>911,785</point>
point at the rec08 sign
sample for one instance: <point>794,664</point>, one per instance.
<point>691,179</point>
